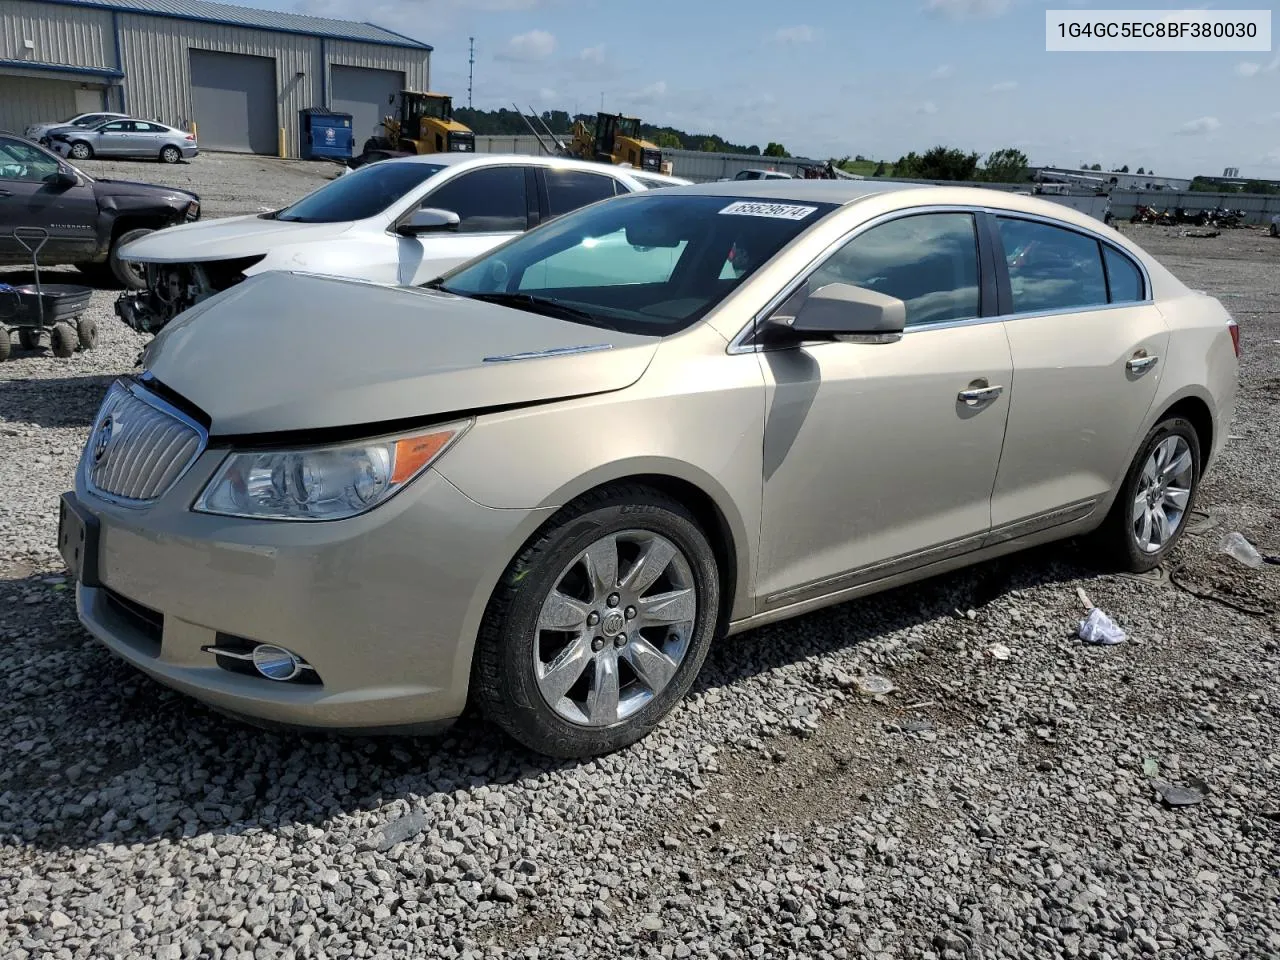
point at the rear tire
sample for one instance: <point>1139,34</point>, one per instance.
<point>621,649</point>
<point>29,337</point>
<point>81,151</point>
<point>1164,479</point>
<point>87,332</point>
<point>128,275</point>
<point>6,345</point>
<point>63,340</point>
<point>170,154</point>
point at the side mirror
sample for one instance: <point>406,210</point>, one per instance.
<point>841,311</point>
<point>428,220</point>
<point>65,177</point>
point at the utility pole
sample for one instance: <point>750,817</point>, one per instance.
<point>471,72</point>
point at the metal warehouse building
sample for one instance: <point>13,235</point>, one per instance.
<point>241,75</point>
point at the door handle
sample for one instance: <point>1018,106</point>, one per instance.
<point>5,193</point>
<point>1140,362</point>
<point>976,395</point>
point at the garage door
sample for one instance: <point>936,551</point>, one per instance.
<point>364,94</point>
<point>234,98</point>
<point>28,100</point>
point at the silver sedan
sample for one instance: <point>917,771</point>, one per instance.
<point>135,139</point>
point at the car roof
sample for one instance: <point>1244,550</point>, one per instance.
<point>486,159</point>
<point>844,192</point>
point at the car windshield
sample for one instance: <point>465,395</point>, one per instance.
<point>364,193</point>
<point>651,263</point>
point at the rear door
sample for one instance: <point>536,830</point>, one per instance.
<point>563,190</point>
<point>29,197</point>
<point>493,204</point>
<point>1088,345</point>
<point>148,138</point>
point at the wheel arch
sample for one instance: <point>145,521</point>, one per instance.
<point>1196,410</point>
<point>706,499</point>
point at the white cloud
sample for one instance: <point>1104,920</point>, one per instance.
<point>529,47</point>
<point>941,72</point>
<point>546,95</point>
<point>1250,68</point>
<point>794,35</point>
<point>927,107</point>
<point>593,54</point>
<point>1200,126</point>
<point>1004,86</point>
<point>654,91</point>
<point>967,9</point>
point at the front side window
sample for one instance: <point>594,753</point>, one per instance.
<point>650,262</point>
<point>359,195</point>
<point>119,126</point>
<point>488,200</point>
<point>1124,281</point>
<point>929,261</point>
<point>570,189</point>
<point>1051,268</point>
<point>21,161</point>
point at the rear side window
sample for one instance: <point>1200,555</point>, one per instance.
<point>488,200</point>
<point>570,189</point>
<point>1124,281</point>
<point>928,260</point>
<point>1051,268</point>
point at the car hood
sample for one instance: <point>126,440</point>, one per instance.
<point>283,352</point>
<point>131,188</point>
<point>226,238</point>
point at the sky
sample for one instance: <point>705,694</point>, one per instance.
<point>830,78</point>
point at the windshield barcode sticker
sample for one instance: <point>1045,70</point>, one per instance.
<point>779,211</point>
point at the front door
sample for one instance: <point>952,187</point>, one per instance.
<point>492,204</point>
<point>116,139</point>
<point>1088,351</point>
<point>881,457</point>
<point>30,197</point>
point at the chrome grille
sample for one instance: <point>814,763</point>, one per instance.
<point>139,446</point>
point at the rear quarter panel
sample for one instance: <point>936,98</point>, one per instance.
<point>1200,362</point>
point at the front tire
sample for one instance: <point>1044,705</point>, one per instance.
<point>81,151</point>
<point>1159,492</point>
<point>129,275</point>
<point>600,625</point>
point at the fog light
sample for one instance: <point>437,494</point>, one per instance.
<point>276,663</point>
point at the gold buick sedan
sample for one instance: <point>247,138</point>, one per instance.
<point>547,480</point>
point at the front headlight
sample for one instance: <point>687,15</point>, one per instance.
<point>322,483</point>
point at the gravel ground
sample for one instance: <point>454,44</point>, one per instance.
<point>989,807</point>
<point>228,183</point>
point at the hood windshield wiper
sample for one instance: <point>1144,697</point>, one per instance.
<point>543,305</point>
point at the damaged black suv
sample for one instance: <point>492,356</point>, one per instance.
<point>88,220</point>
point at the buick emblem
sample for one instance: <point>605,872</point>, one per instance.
<point>102,438</point>
<point>613,623</point>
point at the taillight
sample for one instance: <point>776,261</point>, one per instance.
<point>191,137</point>
<point>1235,336</point>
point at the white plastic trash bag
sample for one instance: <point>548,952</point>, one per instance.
<point>1098,628</point>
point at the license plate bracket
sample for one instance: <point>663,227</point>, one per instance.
<point>78,540</point>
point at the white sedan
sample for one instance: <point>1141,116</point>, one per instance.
<point>400,221</point>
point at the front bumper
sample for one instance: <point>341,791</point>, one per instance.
<point>385,607</point>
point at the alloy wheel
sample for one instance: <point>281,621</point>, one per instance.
<point>1163,494</point>
<point>615,627</point>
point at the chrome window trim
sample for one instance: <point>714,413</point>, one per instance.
<point>738,344</point>
<point>138,390</point>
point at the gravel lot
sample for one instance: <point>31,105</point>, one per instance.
<point>987,808</point>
